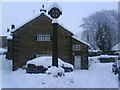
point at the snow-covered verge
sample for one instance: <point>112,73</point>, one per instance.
<point>99,75</point>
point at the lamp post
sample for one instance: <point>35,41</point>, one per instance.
<point>55,11</point>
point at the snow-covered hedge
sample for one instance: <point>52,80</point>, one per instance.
<point>93,52</point>
<point>46,61</point>
<point>108,56</point>
<point>102,59</point>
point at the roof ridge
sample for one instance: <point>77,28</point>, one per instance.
<point>81,41</point>
<point>42,12</point>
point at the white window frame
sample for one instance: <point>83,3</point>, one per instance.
<point>76,47</point>
<point>43,37</point>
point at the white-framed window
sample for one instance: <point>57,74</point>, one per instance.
<point>76,47</point>
<point>41,55</point>
<point>43,37</point>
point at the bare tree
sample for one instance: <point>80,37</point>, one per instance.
<point>90,25</point>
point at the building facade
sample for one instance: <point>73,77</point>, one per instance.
<point>3,42</point>
<point>34,39</point>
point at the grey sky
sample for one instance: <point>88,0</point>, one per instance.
<point>19,12</point>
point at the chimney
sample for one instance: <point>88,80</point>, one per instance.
<point>43,9</point>
<point>12,26</point>
<point>8,30</point>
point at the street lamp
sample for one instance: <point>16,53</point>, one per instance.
<point>55,11</point>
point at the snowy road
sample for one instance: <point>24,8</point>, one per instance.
<point>98,76</point>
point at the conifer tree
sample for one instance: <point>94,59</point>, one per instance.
<point>103,38</point>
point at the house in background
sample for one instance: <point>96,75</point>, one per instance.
<point>116,49</point>
<point>3,41</point>
<point>34,39</point>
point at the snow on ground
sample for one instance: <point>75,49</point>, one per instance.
<point>99,75</point>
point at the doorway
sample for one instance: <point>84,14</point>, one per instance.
<point>77,62</point>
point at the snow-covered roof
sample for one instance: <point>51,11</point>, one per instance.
<point>116,47</point>
<point>9,36</point>
<point>81,40</point>
<point>54,5</point>
<point>62,25</point>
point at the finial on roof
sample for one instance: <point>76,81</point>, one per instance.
<point>43,9</point>
<point>8,30</point>
<point>42,6</point>
<point>12,26</point>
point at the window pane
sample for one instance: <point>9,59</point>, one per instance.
<point>43,37</point>
<point>76,47</point>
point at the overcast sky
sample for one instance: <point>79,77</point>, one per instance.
<point>19,12</point>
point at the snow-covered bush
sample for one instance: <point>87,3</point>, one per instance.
<point>56,71</point>
<point>3,51</point>
<point>93,60</point>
